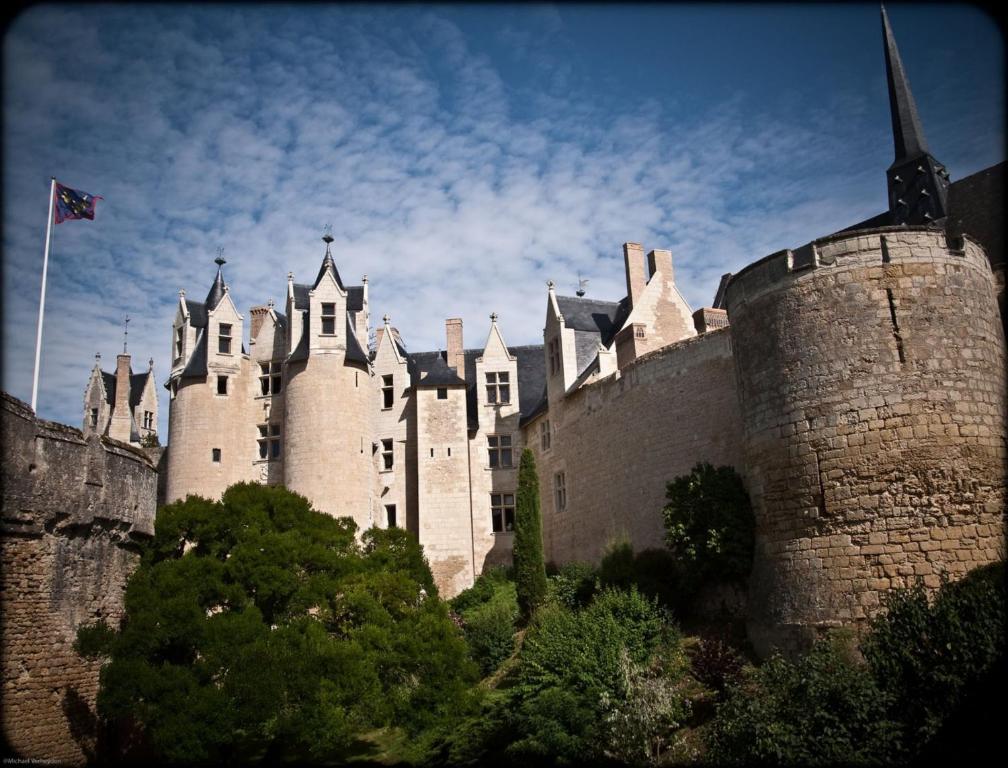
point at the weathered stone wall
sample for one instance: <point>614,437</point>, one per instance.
<point>73,512</point>
<point>871,374</point>
<point>620,440</point>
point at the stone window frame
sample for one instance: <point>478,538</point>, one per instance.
<point>560,491</point>
<point>388,391</point>
<point>148,419</point>
<point>388,454</point>
<point>390,516</point>
<point>328,318</point>
<point>638,331</point>
<point>502,512</point>
<point>222,386</point>
<point>442,393</point>
<point>545,437</point>
<point>496,451</point>
<point>498,387</point>
<point>270,378</point>
<point>179,343</point>
<point>215,455</point>
<point>269,441</point>
<point>224,338</point>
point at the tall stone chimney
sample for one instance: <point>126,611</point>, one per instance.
<point>456,357</point>
<point>122,419</point>
<point>660,261</point>
<point>633,258</point>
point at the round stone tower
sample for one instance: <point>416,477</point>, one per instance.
<point>327,407</point>
<point>871,369</point>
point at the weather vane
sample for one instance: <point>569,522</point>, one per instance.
<point>219,261</point>
<point>582,283</point>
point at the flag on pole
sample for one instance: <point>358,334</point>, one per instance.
<point>74,204</point>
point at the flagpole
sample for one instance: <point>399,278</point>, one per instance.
<point>45,269</point>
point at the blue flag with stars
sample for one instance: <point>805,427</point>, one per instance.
<point>74,204</point>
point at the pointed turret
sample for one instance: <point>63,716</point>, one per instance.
<point>328,265</point>
<point>918,184</point>
<point>218,289</point>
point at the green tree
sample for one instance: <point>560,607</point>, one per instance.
<point>529,565</point>
<point>256,628</point>
<point>709,524</point>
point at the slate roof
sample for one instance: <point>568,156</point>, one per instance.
<point>354,352</point>
<point>137,383</point>
<point>328,265</point>
<point>197,366</point>
<point>109,380</point>
<point>216,291</point>
<point>432,370</point>
<point>197,313</point>
<point>602,317</point>
<point>355,296</point>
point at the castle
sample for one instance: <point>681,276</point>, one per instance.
<point>857,383</point>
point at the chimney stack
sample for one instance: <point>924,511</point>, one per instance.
<point>660,261</point>
<point>633,258</point>
<point>121,421</point>
<point>456,357</point>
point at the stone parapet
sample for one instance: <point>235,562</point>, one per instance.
<point>73,513</point>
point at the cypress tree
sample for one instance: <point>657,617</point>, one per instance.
<point>529,567</point>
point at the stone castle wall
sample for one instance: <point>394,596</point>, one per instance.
<point>871,373</point>
<point>73,512</point>
<point>620,440</point>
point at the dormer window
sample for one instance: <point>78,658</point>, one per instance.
<point>148,419</point>
<point>328,319</point>
<point>224,339</point>
<point>498,388</point>
<point>179,339</point>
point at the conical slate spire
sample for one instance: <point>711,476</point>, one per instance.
<point>328,264</point>
<point>908,136</point>
<point>217,290</point>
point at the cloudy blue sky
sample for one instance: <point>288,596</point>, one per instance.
<point>464,155</point>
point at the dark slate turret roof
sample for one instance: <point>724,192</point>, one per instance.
<point>431,369</point>
<point>328,265</point>
<point>196,368</point>
<point>216,291</point>
<point>908,136</point>
<point>354,352</point>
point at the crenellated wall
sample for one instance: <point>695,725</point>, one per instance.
<point>73,513</point>
<point>871,371</point>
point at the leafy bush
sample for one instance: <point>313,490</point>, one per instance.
<point>572,585</point>
<point>653,572</point>
<point>929,657</point>
<point>643,715</point>
<point>819,710</point>
<point>716,664</point>
<point>488,611</point>
<point>256,627</point>
<point>571,664</point>
<point>709,524</point>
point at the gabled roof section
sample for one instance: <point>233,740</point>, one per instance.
<point>602,317</point>
<point>354,352</point>
<point>301,295</point>
<point>328,265</point>
<point>355,298</point>
<point>137,383</point>
<point>109,380</point>
<point>432,370</point>
<point>197,313</point>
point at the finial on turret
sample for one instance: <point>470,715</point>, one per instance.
<point>493,317</point>
<point>364,279</point>
<point>327,238</point>
<point>220,261</point>
<point>125,332</point>
<point>150,364</point>
<point>271,303</point>
<point>582,283</point>
<point>97,358</point>
<point>290,277</point>
<point>386,319</point>
<point>549,284</point>
<point>181,293</point>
